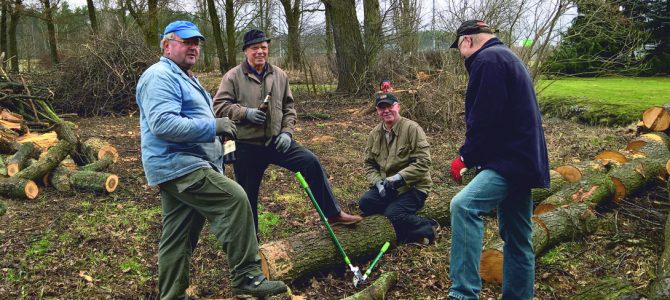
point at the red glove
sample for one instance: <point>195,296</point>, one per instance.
<point>458,167</point>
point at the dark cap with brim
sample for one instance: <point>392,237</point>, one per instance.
<point>254,36</point>
<point>184,29</point>
<point>388,98</point>
<point>471,27</point>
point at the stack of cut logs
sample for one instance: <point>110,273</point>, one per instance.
<point>57,159</point>
<point>563,212</point>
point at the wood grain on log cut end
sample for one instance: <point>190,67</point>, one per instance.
<point>12,169</point>
<point>543,208</point>
<point>656,118</point>
<point>619,189</point>
<point>108,150</point>
<point>281,260</point>
<point>31,190</point>
<point>111,183</point>
<point>490,265</point>
<point>635,145</point>
<point>608,156</point>
<point>570,173</point>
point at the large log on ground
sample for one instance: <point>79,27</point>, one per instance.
<point>593,190</point>
<point>94,181</point>
<point>99,165</point>
<point>16,187</point>
<point>378,289</point>
<point>608,289</point>
<point>3,167</point>
<point>549,229</point>
<point>659,288</point>
<point>17,162</point>
<point>94,149</point>
<point>47,162</point>
<point>556,182</point>
<point>302,254</point>
<point>635,175</point>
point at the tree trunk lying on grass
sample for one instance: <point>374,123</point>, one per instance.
<point>16,187</point>
<point>659,288</point>
<point>608,289</point>
<point>94,149</point>
<point>306,253</point>
<point>549,229</point>
<point>648,154</point>
<point>378,289</point>
<point>18,160</point>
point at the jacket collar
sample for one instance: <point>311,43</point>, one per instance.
<point>192,80</point>
<point>490,43</point>
<point>248,70</point>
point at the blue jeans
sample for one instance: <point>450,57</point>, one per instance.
<point>488,191</point>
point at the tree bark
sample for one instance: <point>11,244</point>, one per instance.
<point>94,181</point>
<point>99,165</point>
<point>3,31</point>
<point>293,14</point>
<point>17,162</point>
<point>378,289</point>
<point>18,188</point>
<point>94,149</point>
<point>231,40</point>
<point>47,162</point>
<point>608,288</point>
<point>51,31</point>
<point>549,229</point>
<point>350,53</point>
<point>216,31</point>
<point>373,33</point>
<point>593,190</point>
<point>13,54</point>
<point>91,16</point>
<point>306,253</point>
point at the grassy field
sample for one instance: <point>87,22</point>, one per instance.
<point>604,101</point>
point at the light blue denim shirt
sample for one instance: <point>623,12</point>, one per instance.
<point>177,124</point>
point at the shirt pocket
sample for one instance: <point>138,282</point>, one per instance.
<point>403,151</point>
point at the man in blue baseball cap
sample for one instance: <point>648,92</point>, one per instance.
<point>182,155</point>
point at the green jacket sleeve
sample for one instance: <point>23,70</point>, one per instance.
<point>372,170</point>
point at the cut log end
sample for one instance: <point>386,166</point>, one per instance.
<point>108,150</point>
<point>635,145</point>
<point>12,169</point>
<point>609,156</point>
<point>31,190</point>
<point>543,208</point>
<point>619,189</point>
<point>490,266</point>
<point>274,254</point>
<point>111,183</point>
<point>656,118</point>
<point>569,173</point>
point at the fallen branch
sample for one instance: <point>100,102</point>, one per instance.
<point>378,289</point>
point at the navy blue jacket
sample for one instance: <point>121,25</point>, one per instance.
<point>503,122</point>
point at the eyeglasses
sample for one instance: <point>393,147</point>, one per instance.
<point>461,42</point>
<point>189,43</point>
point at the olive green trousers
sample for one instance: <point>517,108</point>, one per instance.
<point>187,202</point>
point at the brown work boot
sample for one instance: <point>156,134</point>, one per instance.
<point>344,219</point>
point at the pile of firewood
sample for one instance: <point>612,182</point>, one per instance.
<point>54,159</point>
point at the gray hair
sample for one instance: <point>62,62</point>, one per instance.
<point>168,36</point>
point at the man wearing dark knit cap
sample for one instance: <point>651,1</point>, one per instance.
<point>265,131</point>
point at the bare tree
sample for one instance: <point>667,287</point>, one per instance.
<point>372,24</point>
<point>3,29</point>
<point>16,10</point>
<point>231,38</point>
<point>351,62</point>
<point>145,14</point>
<point>406,23</point>
<point>51,29</point>
<point>91,16</point>
<point>216,32</point>
<point>293,13</point>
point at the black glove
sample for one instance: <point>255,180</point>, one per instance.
<point>226,127</point>
<point>380,188</point>
<point>255,116</point>
<point>394,182</point>
<point>283,142</point>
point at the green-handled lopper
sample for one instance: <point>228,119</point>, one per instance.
<point>358,277</point>
<point>374,262</point>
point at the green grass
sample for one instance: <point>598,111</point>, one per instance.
<point>604,101</point>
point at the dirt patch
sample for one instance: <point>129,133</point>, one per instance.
<point>97,246</point>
